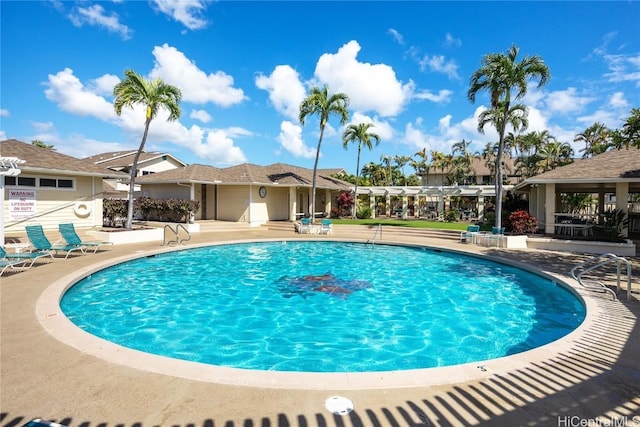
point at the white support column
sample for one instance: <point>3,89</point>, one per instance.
<point>549,208</point>
<point>327,201</point>
<point>405,206</point>
<point>372,204</point>
<point>480,207</point>
<point>293,203</point>
<point>622,201</point>
<point>387,204</point>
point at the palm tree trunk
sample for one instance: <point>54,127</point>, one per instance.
<point>315,172</point>
<point>355,198</point>
<point>132,176</point>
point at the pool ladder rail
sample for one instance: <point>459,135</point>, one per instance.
<point>378,231</point>
<point>596,262</point>
<point>176,234</point>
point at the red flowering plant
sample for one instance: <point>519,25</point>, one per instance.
<point>521,222</point>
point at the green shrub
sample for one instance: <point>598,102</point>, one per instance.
<point>364,213</point>
<point>613,222</point>
<point>451,215</point>
<point>521,222</point>
<point>148,209</point>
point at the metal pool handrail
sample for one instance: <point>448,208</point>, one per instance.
<point>598,261</point>
<point>378,230</point>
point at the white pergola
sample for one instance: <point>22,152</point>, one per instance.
<point>425,193</point>
<point>9,166</point>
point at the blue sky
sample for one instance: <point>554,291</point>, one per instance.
<point>243,68</point>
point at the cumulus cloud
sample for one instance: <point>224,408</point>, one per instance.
<point>618,101</point>
<point>104,85</point>
<point>565,101</point>
<point>396,36</point>
<point>371,87</point>
<point>286,91</point>
<point>219,148</point>
<point>187,12</point>
<point>623,68</point>
<point>200,115</point>
<point>174,68</point>
<point>450,41</point>
<point>380,127</point>
<point>66,90</point>
<point>439,64</point>
<point>443,96</point>
<point>97,16</point>
<point>4,112</point>
<point>290,139</point>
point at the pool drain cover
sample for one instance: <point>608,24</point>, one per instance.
<point>339,405</point>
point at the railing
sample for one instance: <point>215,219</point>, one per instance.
<point>598,261</point>
<point>175,233</point>
<point>378,231</point>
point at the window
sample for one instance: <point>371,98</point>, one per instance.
<point>28,181</point>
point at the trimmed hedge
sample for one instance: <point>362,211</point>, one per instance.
<point>148,209</point>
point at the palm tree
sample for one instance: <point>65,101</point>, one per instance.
<point>359,133</point>
<point>629,135</point>
<point>154,95</point>
<point>555,154</point>
<point>501,75</point>
<point>42,144</point>
<point>422,167</point>
<point>322,103</point>
<point>464,160</point>
<point>401,162</point>
<point>516,116</point>
<point>596,139</point>
<point>385,160</point>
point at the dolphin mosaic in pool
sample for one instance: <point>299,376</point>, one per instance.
<point>326,283</point>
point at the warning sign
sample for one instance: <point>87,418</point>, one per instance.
<point>22,204</point>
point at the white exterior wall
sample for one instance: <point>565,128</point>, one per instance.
<point>233,203</point>
<point>158,165</point>
<point>57,205</point>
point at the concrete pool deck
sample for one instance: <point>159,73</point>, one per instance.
<point>593,377</point>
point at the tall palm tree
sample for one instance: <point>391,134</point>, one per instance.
<point>464,160</point>
<point>506,81</point>
<point>359,134</point>
<point>401,162</point>
<point>596,138</point>
<point>499,117</point>
<point>629,135</point>
<point>555,154</point>
<point>421,166</point>
<point>324,104</point>
<point>154,95</point>
<point>385,160</point>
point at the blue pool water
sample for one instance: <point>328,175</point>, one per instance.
<point>322,307</point>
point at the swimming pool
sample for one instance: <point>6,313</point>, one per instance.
<point>322,307</point>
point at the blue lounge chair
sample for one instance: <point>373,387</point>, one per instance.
<point>470,235</point>
<point>69,234</point>
<point>6,264</point>
<point>26,257</point>
<point>326,227</point>
<point>40,242</point>
<point>305,226</point>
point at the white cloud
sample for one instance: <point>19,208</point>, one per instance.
<point>4,112</point>
<point>187,12</point>
<point>443,96</point>
<point>290,139</point>
<point>618,101</point>
<point>200,115</point>
<point>3,135</point>
<point>370,87</point>
<point>66,90</point>
<point>104,85</point>
<point>286,91</point>
<point>566,101</point>
<point>439,64</point>
<point>623,68</point>
<point>220,149</point>
<point>96,15</point>
<point>380,127</point>
<point>451,41</point>
<point>174,68</point>
<point>396,36</point>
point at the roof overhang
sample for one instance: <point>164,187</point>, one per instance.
<point>49,171</point>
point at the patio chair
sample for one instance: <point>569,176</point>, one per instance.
<point>6,264</point>
<point>40,242</point>
<point>326,227</point>
<point>26,256</point>
<point>70,235</point>
<point>470,235</point>
<point>305,226</point>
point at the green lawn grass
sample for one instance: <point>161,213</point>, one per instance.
<point>415,223</point>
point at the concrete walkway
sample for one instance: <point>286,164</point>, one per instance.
<point>594,378</point>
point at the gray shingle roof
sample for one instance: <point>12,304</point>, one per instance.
<point>39,159</point>
<point>615,165</point>
<point>247,173</point>
<point>124,159</point>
